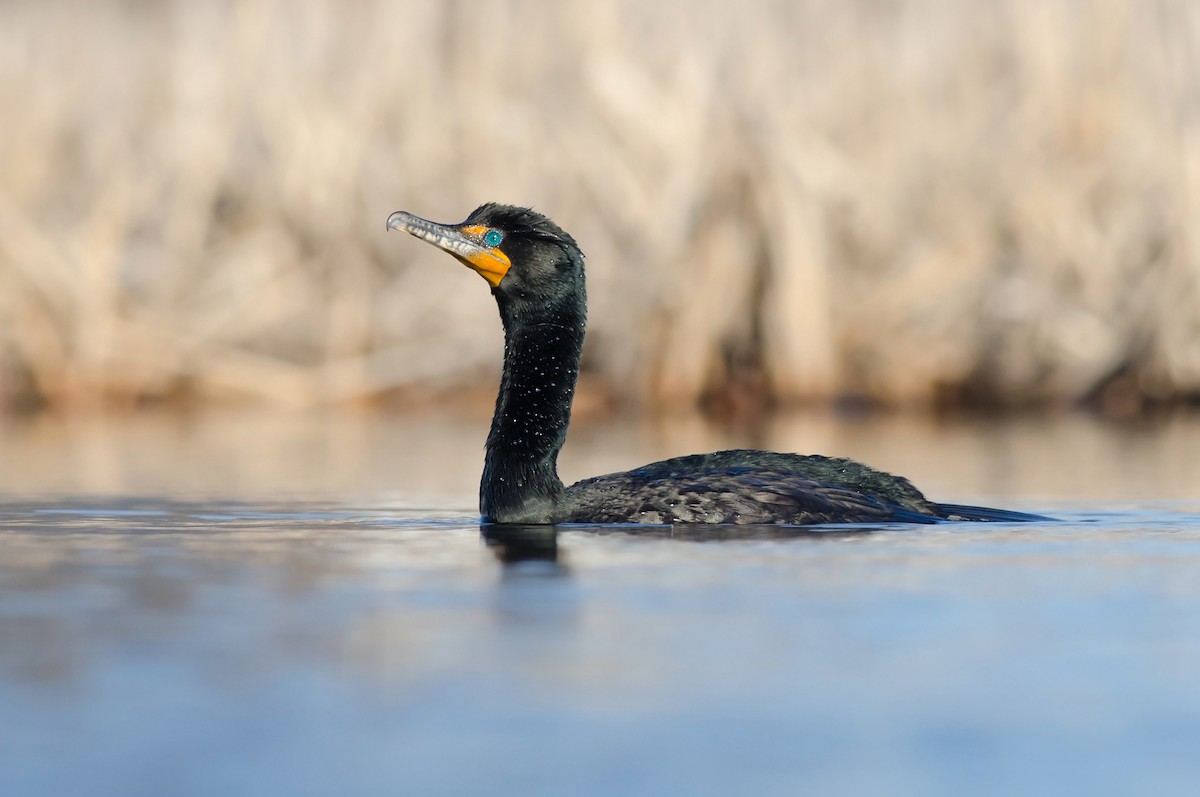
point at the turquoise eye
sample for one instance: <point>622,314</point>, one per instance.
<point>493,237</point>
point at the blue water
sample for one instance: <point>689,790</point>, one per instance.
<point>193,647</point>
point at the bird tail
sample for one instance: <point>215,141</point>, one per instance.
<point>986,514</point>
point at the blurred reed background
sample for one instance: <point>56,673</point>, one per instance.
<point>952,200</point>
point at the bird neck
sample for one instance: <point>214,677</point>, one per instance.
<point>541,365</point>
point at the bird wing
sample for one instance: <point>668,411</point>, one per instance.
<point>829,471</point>
<point>742,495</point>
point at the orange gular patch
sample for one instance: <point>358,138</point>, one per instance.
<point>492,265</point>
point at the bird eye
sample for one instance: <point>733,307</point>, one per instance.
<point>493,237</point>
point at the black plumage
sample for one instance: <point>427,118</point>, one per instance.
<point>536,271</point>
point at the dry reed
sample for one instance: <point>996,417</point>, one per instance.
<point>901,201</point>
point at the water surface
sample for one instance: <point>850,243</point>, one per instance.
<point>280,634</point>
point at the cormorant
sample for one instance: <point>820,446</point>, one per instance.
<point>536,273</point>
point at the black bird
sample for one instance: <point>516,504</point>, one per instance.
<point>535,270</point>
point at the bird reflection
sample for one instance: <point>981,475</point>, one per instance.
<point>513,543</point>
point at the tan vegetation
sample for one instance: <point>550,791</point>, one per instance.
<point>903,201</point>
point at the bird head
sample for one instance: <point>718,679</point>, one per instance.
<point>523,255</point>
